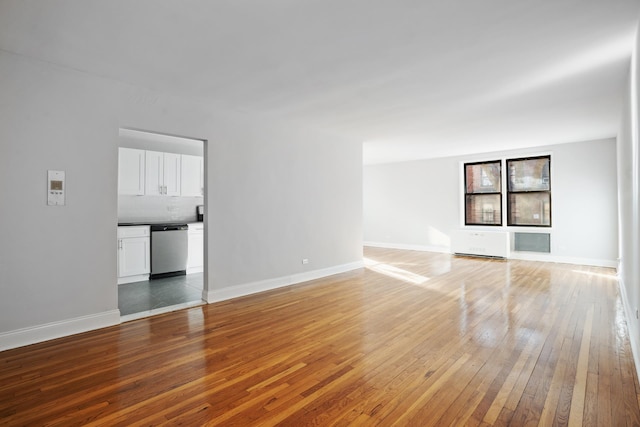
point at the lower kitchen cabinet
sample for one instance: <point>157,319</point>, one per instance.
<point>195,256</point>
<point>134,249</point>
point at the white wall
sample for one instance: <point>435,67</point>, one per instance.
<point>629,205</point>
<point>411,204</point>
<point>417,204</point>
<point>278,199</point>
<point>275,194</point>
<point>56,263</point>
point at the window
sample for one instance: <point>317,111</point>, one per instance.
<point>529,191</point>
<point>483,193</point>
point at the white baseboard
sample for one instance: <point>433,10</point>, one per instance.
<point>192,270</point>
<point>132,279</point>
<point>230,292</point>
<point>63,328</point>
<point>422,248</point>
<point>629,314</point>
<point>524,256</point>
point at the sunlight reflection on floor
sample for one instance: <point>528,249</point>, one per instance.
<point>604,275</point>
<point>395,272</point>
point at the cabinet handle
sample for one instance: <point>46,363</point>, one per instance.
<point>160,189</point>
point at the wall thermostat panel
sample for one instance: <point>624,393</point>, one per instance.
<point>55,188</point>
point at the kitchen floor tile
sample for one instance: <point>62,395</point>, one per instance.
<point>152,294</point>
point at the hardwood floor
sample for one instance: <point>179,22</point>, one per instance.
<point>415,339</point>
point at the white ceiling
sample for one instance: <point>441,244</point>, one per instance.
<point>410,78</point>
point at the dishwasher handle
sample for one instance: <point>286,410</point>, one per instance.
<point>169,227</point>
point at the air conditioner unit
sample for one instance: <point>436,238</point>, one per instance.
<point>480,243</point>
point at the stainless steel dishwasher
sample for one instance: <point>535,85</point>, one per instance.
<point>168,250</point>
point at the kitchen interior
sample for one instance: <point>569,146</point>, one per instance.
<point>160,237</point>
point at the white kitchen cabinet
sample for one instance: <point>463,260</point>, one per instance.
<point>172,164</point>
<point>195,254</point>
<point>131,171</point>
<point>192,176</point>
<point>162,173</point>
<point>134,249</point>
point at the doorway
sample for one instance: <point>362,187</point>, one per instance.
<point>161,185</point>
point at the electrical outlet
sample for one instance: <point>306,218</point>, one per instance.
<point>305,260</point>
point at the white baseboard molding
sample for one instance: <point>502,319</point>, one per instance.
<point>422,248</point>
<point>63,328</point>
<point>629,314</point>
<point>132,279</point>
<point>524,256</point>
<point>231,292</point>
<point>192,270</point>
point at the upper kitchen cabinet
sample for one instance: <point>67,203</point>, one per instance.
<point>131,167</point>
<point>162,175</point>
<point>192,179</point>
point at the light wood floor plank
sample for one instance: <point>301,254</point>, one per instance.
<point>580,385</point>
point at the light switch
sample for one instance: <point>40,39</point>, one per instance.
<point>55,188</point>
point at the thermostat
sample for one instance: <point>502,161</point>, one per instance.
<point>55,188</point>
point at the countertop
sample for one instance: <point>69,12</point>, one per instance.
<point>126,224</point>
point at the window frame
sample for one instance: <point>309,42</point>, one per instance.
<point>509,192</point>
<point>499,162</point>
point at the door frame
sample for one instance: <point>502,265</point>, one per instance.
<point>205,145</point>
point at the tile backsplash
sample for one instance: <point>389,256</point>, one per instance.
<point>157,208</point>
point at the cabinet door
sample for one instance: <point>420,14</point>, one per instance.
<point>191,183</point>
<point>133,256</point>
<point>195,257</point>
<point>154,173</point>
<point>172,174</point>
<point>131,175</point>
